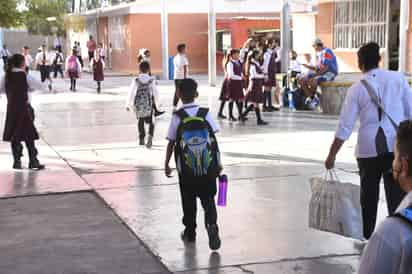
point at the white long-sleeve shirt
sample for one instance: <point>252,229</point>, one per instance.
<point>144,78</point>
<point>389,250</point>
<point>266,60</point>
<point>40,56</point>
<point>33,84</point>
<point>231,72</point>
<point>396,96</point>
<point>253,74</point>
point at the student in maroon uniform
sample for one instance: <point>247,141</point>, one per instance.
<point>235,83</point>
<point>97,65</point>
<point>224,94</point>
<point>255,90</point>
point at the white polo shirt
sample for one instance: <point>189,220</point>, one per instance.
<point>179,62</point>
<point>395,94</point>
<point>191,110</point>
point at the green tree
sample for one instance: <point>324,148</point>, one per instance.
<point>9,13</point>
<point>35,18</point>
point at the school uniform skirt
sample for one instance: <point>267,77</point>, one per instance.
<point>255,91</point>
<point>269,83</point>
<point>73,74</point>
<point>224,92</point>
<point>235,88</point>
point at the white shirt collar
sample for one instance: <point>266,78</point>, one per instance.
<point>17,70</point>
<point>189,105</point>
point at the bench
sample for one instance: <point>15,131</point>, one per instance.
<point>333,96</point>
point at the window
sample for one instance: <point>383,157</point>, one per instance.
<point>223,41</point>
<point>359,21</point>
<point>117,32</point>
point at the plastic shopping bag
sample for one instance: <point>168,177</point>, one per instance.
<point>335,207</point>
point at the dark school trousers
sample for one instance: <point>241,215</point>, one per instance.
<point>371,171</point>
<point>205,190</point>
<point>178,82</point>
<point>44,72</point>
<point>141,122</point>
<point>17,150</point>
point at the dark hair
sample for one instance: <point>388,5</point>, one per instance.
<point>188,89</point>
<point>139,58</point>
<point>251,55</point>
<point>15,61</point>
<point>144,67</point>
<point>368,56</point>
<point>180,47</point>
<point>74,51</point>
<point>226,59</point>
<point>404,142</point>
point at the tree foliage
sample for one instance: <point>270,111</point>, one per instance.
<point>9,14</point>
<point>37,13</point>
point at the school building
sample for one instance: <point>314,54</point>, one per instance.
<point>130,25</point>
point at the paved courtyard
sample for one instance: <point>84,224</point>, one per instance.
<point>103,205</point>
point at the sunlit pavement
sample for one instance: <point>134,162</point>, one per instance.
<point>89,144</point>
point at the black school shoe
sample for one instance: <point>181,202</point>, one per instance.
<point>35,165</point>
<point>214,240</point>
<point>158,113</point>
<point>141,142</point>
<point>17,165</point>
<point>188,237</point>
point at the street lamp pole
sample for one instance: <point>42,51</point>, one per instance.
<point>212,43</point>
<point>285,34</point>
<point>165,41</point>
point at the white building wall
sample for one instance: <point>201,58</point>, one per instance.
<point>304,32</point>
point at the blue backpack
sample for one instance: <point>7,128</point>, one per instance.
<point>405,214</point>
<point>196,151</point>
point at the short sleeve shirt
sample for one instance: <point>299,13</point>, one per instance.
<point>179,62</point>
<point>328,58</point>
<point>191,110</point>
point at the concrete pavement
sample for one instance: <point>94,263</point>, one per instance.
<point>89,143</point>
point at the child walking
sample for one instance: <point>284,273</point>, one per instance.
<point>255,92</point>
<point>181,70</point>
<point>224,94</point>
<point>73,69</point>
<point>97,65</point>
<point>235,83</point>
<point>191,135</point>
<point>140,98</point>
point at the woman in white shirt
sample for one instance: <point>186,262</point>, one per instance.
<point>255,90</point>
<point>377,134</point>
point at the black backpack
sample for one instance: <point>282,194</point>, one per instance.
<point>196,152</point>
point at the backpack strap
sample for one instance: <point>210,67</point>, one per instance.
<point>202,112</point>
<point>182,114</point>
<point>405,214</point>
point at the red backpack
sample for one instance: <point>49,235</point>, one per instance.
<point>73,66</point>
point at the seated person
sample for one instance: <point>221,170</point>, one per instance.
<point>308,67</point>
<point>294,71</point>
<point>326,70</point>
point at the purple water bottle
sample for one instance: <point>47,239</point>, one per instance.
<point>222,197</point>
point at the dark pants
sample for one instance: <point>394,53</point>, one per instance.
<point>178,82</point>
<point>91,55</point>
<point>73,84</point>
<point>371,172</point>
<point>17,150</point>
<point>267,103</point>
<point>58,69</point>
<point>206,192</point>
<point>44,72</point>
<point>5,61</point>
<point>141,123</point>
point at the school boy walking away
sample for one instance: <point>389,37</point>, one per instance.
<point>255,92</point>
<point>44,62</point>
<point>381,100</point>
<point>181,70</point>
<point>5,54</point>
<point>224,93</point>
<point>19,126</point>
<point>73,69</point>
<point>97,66</point>
<point>389,251</point>
<point>140,99</point>
<point>58,61</point>
<point>270,69</point>
<point>191,135</point>
<point>235,83</point>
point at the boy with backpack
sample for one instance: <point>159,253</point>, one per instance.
<point>140,98</point>
<point>192,139</point>
<point>58,61</point>
<point>73,69</point>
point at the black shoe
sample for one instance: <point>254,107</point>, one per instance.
<point>141,142</point>
<point>50,87</point>
<point>243,118</point>
<point>214,240</point>
<point>158,113</point>
<point>17,165</point>
<point>221,116</point>
<point>98,91</point>
<point>149,142</point>
<point>274,108</point>
<point>188,237</point>
<point>262,123</point>
<point>265,109</point>
<point>36,165</point>
<point>232,119</point>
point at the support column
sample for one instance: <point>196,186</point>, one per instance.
<point>212,43</point>
<point>285,34</point>
<point>403,28</point>
<point>165,41</point>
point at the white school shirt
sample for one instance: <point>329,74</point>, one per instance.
<point>253,74</point>
<point>28,60</point>
<point>279,54</point>
<point>191,110</point>
<point>389,250</point>
<point>295,66</point>
<point>5,53</point>
<point>144,78</point>
<point>179,62</point>
<point>33,84</point>
<point>39,58</point>
<point>266,60</point>
<point>396,96</point>
<point>231,73</point>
